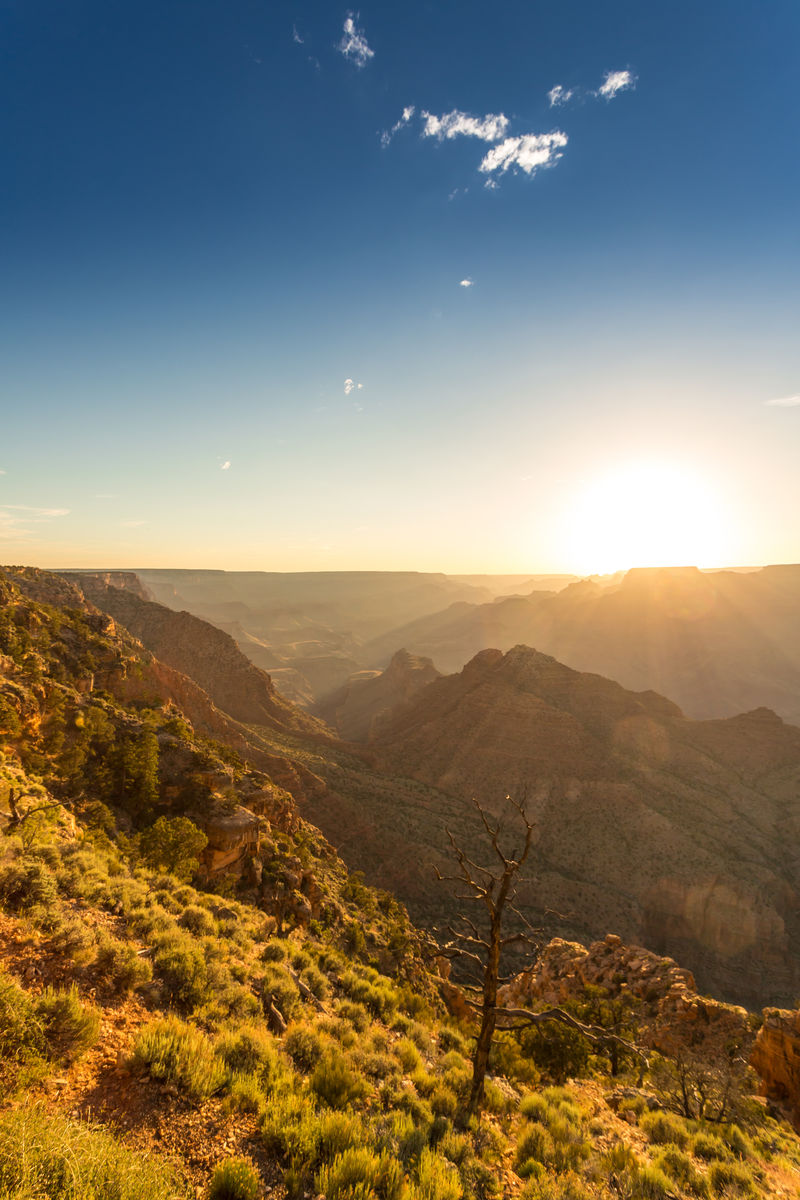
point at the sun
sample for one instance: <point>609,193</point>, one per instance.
<point>645,514</point>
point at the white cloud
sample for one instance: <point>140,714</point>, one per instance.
<point>296,37</point>
<point>528,153</point>
<point>353,44</point>
<point>466,283</point>
<point>16,519</point>
<point>226,466</point>
<point>784,402</point>
<point>38,514</point>
<point>616,82</point>
<point>388,134</point>
<point>460,124</point>
<point>559,95</point>
<point>2,472</point>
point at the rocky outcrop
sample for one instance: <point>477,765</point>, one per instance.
<point>234,834</point>
<point>776,1059</point>
<point>673,1012</point>
<point>358,710</point>
<point>707,1041</point>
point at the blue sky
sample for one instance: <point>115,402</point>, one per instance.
<point>555,302</point>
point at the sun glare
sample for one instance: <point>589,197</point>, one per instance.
<point>645,514</point>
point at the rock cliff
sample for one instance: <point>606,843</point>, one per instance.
<point>680,834</point>
<point>207,655</point>
<point>358,709</point>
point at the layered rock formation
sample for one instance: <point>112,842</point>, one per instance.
<point>197,649</point>
<point>680,834</point>
<point>717,642</point>
<point>358,710</point>
<point>776,1058</point>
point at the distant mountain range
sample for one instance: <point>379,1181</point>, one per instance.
<point>677,833</point>
<point>716,642</point>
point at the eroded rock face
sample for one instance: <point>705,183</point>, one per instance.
<point>202,652</point>
<point>357,710</point>
<point>565,969</point>
<point>776,1058</point>
<point>679,834</point>
<point>674,1019</point>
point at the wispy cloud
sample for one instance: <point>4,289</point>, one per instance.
<point>2,472</point>
<point>784,402</point>
<point>527,153</point>
<point>460,124</point>
<point>226,466</point>
<point>616,82</point>
<point>16,520</point>
<point>353,44</point>
<point>37,514</point>
<point>559,95</point>
<point>351,386</point>
<point>405,119</point>
<point>467,283</point>
<point>296,37</point>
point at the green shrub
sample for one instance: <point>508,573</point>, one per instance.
<point>358,1174</point>
<point>452,1039</point>
<point>731,1179</point>
<point>174,844</point>
<point>304,1046</point>
<point>175,1052</point>
<point>69,1026</point>
<point>737,1141</point>
<point>407,1054</point>
<point>681,1169</point>
<point>279,984</point>
<point>335,1083</point>
<point>663,1128</point>
<point>50,1156</point>
<point>234,1179</point>
<point>355,1013</point>
<point>315,981</point>
<point>26,885</point>
<point>274,951</point>
<point>437,1179</point>
<point>250,1049</point>
<point>180,963</point>
<point>72,937</point>
<point>121,965</point>
<point>407,1137</point>
<point>198,921</point>
<point>245,1094</point>
<point>650,1183</point>
<point>535,1145</point>
<point>709,1147</point>
<point>336,1132</point>
<point>536,1108</point>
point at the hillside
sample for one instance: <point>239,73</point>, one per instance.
<point>717,643</point>
<point>678,834</point>
<point>198,649</point>
<point>198,1000</point>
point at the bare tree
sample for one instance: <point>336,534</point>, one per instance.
<point>482,949</point>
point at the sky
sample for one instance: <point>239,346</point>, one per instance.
<point>431,286</point>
